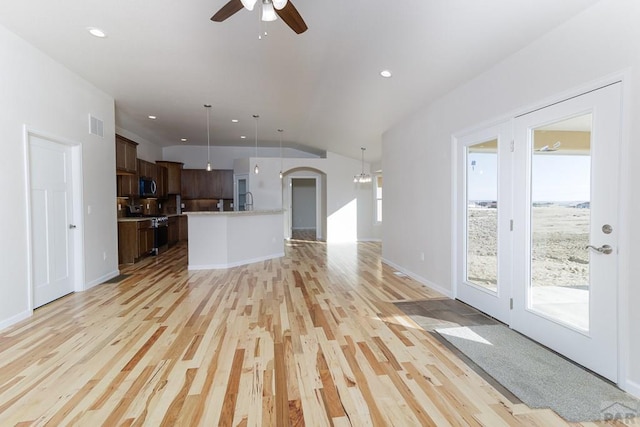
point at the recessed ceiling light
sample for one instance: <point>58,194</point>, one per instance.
<point>243,137</point>
<point>234,120</point>
<point>183,139</point>
<point>97,32</point>
<point>385,73</point>
<point>152,117</point>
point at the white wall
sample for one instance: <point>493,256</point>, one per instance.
<point>41,94</point>
<point>417,151</point>
<point>195,157</point>
<point>349,206</point>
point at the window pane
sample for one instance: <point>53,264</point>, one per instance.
<point>560,220</point>
<point>482,215</point>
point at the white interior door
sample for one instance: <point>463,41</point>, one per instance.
<point>51,220</point>
<point>483,269</point>
<point>566,199</point>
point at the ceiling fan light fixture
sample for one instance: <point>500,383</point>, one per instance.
<point>268,12</point>
<point>248,4</point>
<point>279,4</point>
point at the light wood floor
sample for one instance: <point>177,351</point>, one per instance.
<point>310,339</point>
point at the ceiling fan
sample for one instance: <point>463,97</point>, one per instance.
<point>271,9</point>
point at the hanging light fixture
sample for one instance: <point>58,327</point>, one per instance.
<point>248,4</point>
<point>279,4</point>
<point>208,107</point>
<point>281,130</point>
<point>268,13</point>
<point>363,178</point>
<point>256,170</point>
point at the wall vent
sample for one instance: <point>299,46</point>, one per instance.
<point>96,126</point>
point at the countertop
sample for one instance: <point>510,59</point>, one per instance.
<point>144,218</point>
<point>235,213</point>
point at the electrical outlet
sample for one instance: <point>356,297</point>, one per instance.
<point>88,209</point>
<point>159,205</point>
<point>119,207</point>
<point>147,205</point>
<point>181,205</point>
<point>421,256</point>
<point>104,255</point>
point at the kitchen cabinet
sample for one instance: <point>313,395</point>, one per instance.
<point>161,181</point>
<point>173,231</point>
<point>135,240</point>
<point>174,176</point>
<point>147,169</point>
<point>200,184</point>
<point>126,155</point>
<point>227,184</point>
<point>183,227</point>
<point>127,186</point>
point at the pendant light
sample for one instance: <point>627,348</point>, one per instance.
<point>281,130</point>
<point>208,107</point>
<point>363,177</point>
<point>268,13</point>
<point>256,170</point>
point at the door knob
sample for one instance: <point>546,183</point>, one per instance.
<point>604,249</point>
<point>72,226</point>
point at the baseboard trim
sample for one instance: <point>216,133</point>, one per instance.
<point>101,280</point>
<point>632,388</point>
<point>427,283</point>
<point>235,263</point>
<point>15,319</point>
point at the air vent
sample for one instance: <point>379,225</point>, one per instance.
<point>96,126</point>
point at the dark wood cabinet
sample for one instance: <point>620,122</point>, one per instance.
<point>173,231</point>
<point>183,227</point>
<point>126,155</point>
<point>200,184</point>
<point>161,181</point>
<point>135,240</point>
<point>227,184</point>
<point>174,176</point>
<point>147,169</point>
<point>128,186</point>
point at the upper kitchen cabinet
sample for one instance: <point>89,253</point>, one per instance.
<point>161,180</point>
<point>126,156</point>
<point>174,176</point>
<point>200,184</point>
<point>226,176</point>
<point>147,169</point>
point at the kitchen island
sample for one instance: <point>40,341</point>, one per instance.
<point>229,239</point>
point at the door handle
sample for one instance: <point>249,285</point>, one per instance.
<point>72,226</point>
<point>604,249</point>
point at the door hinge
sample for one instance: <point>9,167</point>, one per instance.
<point>513,145</point>
<point>510,225</point>
<point>510,303</point>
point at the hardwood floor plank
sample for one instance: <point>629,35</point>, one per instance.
<point>311,339</point>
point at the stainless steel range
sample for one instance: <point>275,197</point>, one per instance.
<point>160,224</point>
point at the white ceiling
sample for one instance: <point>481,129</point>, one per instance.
<point>166,58</point>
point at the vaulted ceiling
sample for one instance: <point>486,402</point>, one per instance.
<point>166,58</point>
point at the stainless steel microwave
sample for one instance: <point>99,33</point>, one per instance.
<point>147,187</point>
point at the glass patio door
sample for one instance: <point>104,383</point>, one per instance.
<point>565,234</point>
<point>484,220</point>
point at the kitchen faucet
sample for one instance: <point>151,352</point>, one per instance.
<point>248,206</point>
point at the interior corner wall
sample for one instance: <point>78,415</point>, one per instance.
<point>42,95</point>
<point>599,42</point>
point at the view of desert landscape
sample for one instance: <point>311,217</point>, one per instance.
<point>559,240</point>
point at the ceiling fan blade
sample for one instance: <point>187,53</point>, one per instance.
<point>227,10</point>
<point>292,18</point>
